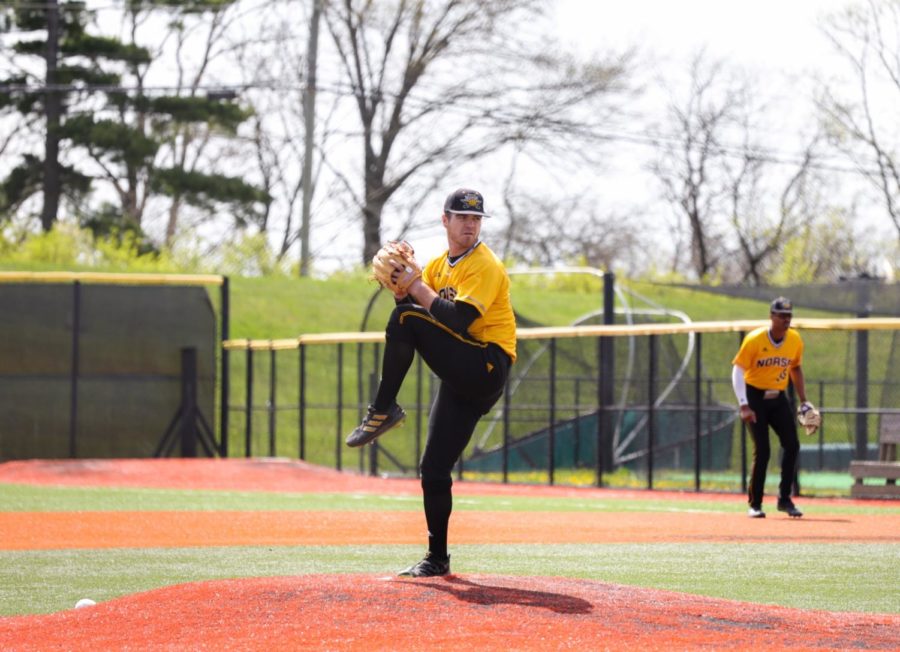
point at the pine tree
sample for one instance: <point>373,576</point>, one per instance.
<point>103,127</point>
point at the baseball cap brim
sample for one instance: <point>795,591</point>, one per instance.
<point>470,213</point>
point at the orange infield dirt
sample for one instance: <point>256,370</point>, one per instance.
<point>356,612</point>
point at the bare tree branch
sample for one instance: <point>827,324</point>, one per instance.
<point>865,131</point>
<point>432,89</point>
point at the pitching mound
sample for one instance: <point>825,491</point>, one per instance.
<point>483,612</point>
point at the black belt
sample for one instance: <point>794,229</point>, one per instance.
<point>766,394</point>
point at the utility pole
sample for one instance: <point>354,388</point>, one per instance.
<point>309,115</point>
<point>52,112</point>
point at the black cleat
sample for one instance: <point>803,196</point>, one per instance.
<point>376,424</point>
<point>756,512</point>
<point>428,567</point>
<point>787,505</point>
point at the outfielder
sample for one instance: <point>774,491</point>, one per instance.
<point>456,313</point>
<point>767,359</point>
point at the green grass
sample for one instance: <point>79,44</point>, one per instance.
<point>807,576</point>
<point>838,577</point>
<point>823,484</point>
<point>28,498</point>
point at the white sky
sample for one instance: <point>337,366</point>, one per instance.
<point>773,34</point>
<point>769,39</point>
<point>772,38</point>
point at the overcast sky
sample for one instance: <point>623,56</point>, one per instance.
<point>773,34</point>
<point>777,41</point>
<point>772,39</point>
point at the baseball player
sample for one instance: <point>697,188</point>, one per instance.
<point>458,316</point>
<point>767,359</point>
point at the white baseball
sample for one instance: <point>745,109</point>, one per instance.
<point>84,602</point>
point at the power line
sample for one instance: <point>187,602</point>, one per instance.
<point>656,141</point>
<point>70,7</point>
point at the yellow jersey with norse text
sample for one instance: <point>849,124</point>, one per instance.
<point>479,279</point>
<point>767,365</point>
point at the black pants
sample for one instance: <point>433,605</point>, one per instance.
<point>777,413</point>
<point>472,376</point>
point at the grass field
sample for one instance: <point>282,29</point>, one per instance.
<point>808,574</point>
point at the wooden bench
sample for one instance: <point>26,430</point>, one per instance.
<point>887,467</point>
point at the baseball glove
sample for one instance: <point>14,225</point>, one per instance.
<point>395,267</point>
<point>808,417</point>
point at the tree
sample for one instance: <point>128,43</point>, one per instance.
<point>309,125</point>
<point>862,123</point>
<point>719,175</point>
<point>111,128</point>
<point>827,250</point>
<point>689,166</point>
<point>760,229</point>
<point>172,143</point>
<point>63,45</point>
<point>291,130</point>
<point>438,84</point>
<point>545,232</point>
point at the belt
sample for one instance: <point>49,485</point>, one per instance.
<point>767,394</point>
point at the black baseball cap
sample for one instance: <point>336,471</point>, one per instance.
<point>782,306</point>
<point>466,202</point>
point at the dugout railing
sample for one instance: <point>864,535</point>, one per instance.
<point>672,422</point>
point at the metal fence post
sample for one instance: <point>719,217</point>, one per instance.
<point>551,431</point>
<point>651,409</point>
<point>505,454</point>
<point>248,424</point>
<point>373,390</point>
<point>301,418</point>
<point>338,448</point>
<point>743,438</point>
<point>360,400</point>
<point>607,378</point>
<point>822,427</point>
<point>862,393</point>
<point>698,413</point>
<point>272,401</point>
<point>599,457</point>
<point>576,452</point>
<point>225,381</point>
<point>73,389</point>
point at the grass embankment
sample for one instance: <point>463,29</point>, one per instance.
<point>280,308</point>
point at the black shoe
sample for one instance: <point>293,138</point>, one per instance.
<point>428,567</point>
<point>376,424</point>
<point>787,505</point>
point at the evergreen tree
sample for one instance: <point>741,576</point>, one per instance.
<point>112,130</point>
<point>50,50</point>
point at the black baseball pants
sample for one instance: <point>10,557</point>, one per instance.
<point>777,413</point>
<point>472,376</point>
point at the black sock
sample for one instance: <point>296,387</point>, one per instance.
<point>437,516</point>
<point>398,357</point>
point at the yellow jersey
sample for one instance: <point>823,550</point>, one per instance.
<point>479,279</point>
<point>767,365</point>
